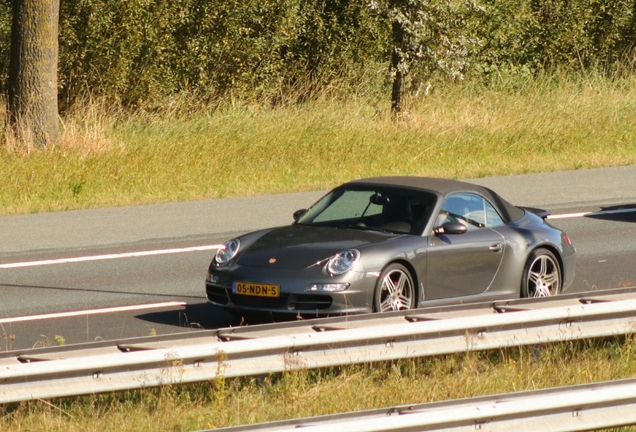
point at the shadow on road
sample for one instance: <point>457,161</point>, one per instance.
<point>197,316</point>
<point>620,213</point>
<point>207,316</point>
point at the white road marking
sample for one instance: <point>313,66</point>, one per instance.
<point>602,212</point>
<point>212,247</point>
<point>91,312</point>
<point>107,257</point>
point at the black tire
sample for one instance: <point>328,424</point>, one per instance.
<point>395,290</point>
<point>542,275</point>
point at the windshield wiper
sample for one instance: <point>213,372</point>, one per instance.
<point>368,228</point>
<point>364,228</point>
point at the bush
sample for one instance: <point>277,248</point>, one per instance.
<point>144,53</point>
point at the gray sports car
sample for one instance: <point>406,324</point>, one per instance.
<point>393,243</point>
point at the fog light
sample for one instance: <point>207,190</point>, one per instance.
<point>327,287</point>
<point>212,278</point>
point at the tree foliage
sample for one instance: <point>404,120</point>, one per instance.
<point>429,36</point>
<point>137,50</point>
<point>144,52</point>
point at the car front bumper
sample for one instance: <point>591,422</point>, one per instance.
<point>293,299</point>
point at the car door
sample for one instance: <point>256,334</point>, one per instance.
<point>464,264</point>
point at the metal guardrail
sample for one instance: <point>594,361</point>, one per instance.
<point>257,350</point>
<point>575,408</point>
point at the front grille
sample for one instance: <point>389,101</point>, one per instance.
<point>310,302</point>
<point>216,294</point>
<point>260,302</point>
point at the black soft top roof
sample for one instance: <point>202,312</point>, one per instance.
<point>445,187</point>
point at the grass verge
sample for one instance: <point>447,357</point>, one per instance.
<point>109,158</point>
<point>306,393</point>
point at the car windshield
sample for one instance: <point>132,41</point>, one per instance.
<point>398,210</point>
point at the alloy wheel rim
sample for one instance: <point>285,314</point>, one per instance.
<point>543,277</point>
<point>397,291</point>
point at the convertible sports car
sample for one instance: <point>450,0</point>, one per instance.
<point>393,243</point>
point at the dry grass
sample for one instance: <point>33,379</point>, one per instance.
<point>306,393</point>
<point>84,131</point>
<point>107,158</point>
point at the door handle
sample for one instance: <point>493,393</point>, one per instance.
<point>496,248</point>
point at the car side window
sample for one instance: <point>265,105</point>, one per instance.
<point>492,217</point>
<point>470,209</point>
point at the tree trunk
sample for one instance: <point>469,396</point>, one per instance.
<point>33,72</point>
<point>397,36</point>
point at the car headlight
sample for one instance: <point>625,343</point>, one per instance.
<point>343,262</point>
<point>228,251</point>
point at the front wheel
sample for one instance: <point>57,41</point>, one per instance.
<point>395,290</point>
<point>542,275</point>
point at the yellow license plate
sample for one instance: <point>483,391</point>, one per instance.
<point>256,289</point>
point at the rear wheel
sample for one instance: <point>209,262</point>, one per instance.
<point>542,275</point>
<point>395,290</point>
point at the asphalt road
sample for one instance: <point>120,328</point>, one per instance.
<point>606,245</point>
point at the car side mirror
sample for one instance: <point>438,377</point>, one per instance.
<point>378,199</point>
<point>299,213</point>
<point>450,228</point>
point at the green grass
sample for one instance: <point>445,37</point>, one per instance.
<point>108,158</point>
<point>306,393</point>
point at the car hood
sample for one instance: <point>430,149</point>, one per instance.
<point>301,246</point>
